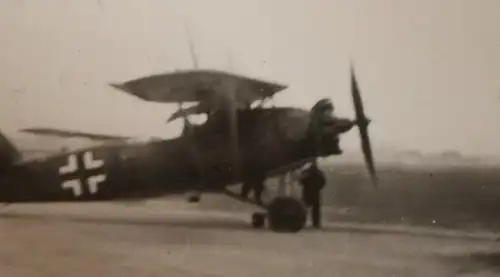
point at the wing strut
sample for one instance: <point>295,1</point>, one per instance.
<point>188,132</point>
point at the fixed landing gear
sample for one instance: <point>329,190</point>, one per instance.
<point>287,214</point>
<point>284,214</point>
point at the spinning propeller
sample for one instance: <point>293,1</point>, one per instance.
<point>362,122</point>
<point>336,126</point>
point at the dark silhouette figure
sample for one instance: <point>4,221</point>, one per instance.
<point>313,180</point>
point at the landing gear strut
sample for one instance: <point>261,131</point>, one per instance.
<point>284,214</point>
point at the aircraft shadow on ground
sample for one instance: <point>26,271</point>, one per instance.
<point>201,223</point>
<point>215,223</point>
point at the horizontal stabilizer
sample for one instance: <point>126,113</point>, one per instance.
<point>73,134</point>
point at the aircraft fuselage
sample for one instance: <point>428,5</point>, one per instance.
<point>269,141</point>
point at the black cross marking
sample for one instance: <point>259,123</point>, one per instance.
<point>82,176</point>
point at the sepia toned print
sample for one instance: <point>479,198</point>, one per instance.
<point>235,138</point>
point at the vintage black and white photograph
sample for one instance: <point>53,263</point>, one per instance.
<point>233,138</point>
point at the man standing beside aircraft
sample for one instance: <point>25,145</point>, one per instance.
<point>313,180</point>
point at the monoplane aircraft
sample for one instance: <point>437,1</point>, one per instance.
<point>240,143</point>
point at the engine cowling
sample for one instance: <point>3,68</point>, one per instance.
<point>325,128</point>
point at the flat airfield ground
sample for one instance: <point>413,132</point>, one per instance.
<point>173,238</point>
<point>146,240</point>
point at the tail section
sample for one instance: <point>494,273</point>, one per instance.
<point>9,155</point>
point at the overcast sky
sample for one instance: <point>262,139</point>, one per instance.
<point>428,69</point>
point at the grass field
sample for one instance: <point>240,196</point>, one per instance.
<point>459,197</point>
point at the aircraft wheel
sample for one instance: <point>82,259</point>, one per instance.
<point>258,220</point>
<point>287,214</point>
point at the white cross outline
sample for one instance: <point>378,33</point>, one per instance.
<point>75,185</point>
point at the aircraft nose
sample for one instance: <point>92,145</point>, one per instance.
<point>363,122</point>
<point>342,125</point>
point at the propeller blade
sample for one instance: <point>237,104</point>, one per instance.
<point>363,122</point>
<point>357,101</point>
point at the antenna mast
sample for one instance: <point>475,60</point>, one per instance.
<point>192,51</point>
